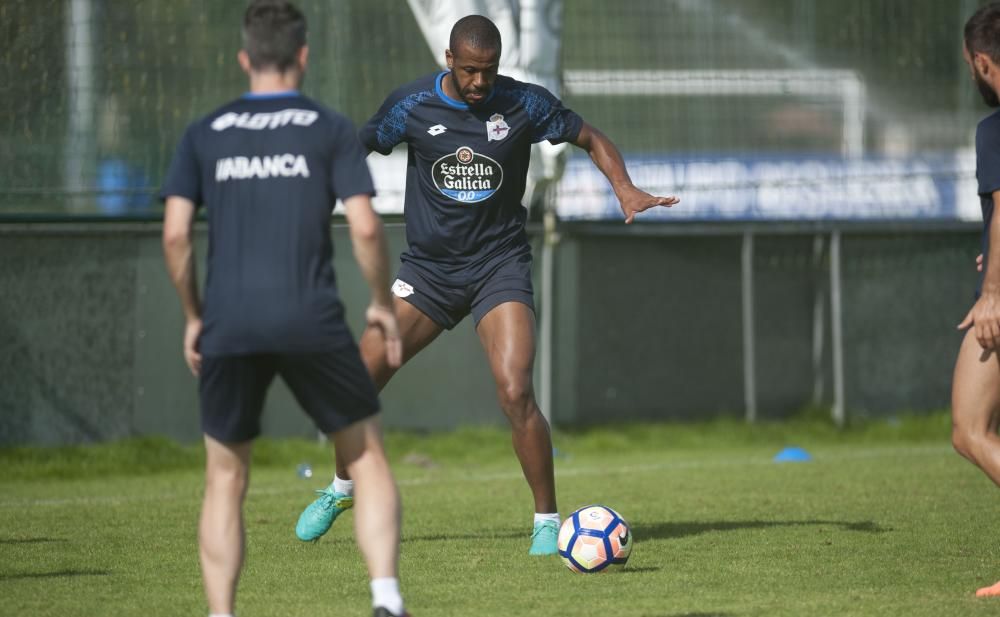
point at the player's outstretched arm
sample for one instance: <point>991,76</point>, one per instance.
<point>985,313</point>
<point>372,255</point>
<point>178,250</point>
<point>609,160</point>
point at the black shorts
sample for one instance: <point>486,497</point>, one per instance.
<point>333,387</point>
<point>447,300</point>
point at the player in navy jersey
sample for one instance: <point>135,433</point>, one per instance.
<point>976,385</point>
<point>469,133</point>
<point>269,167</point>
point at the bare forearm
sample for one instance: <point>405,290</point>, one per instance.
<point>608,159</point>
<point>372,255</point>
<point>181,267</point>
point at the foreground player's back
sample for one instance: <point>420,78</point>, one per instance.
<point>269,170</point>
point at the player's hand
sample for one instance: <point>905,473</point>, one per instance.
<point>979,263</point>
<point>633,201</point>
<point>985,317</point>
<point>191,333</point>
<point>383,319</point>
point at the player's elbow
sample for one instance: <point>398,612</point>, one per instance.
<point>176,239</point>
<point>366,228</point>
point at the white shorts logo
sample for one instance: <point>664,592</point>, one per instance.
<point>402,289</point>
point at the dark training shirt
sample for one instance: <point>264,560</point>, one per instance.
<point>988,176</point>
<point>269,169</point>
<point>466,167</point>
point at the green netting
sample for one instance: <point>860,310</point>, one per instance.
<point>96,92</point>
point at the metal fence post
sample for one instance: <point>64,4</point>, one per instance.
<point>749,346</point>
<point>837,329</point>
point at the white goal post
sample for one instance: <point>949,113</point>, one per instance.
<point>837,84</point>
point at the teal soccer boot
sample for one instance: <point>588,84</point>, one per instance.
<point>319,516</point>
<point>543,539</point>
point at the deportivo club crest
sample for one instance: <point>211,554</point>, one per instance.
<point>496,128</point>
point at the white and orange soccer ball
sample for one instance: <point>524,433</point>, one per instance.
<point>594,538</point>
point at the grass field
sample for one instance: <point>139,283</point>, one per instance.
<point>886,520</point>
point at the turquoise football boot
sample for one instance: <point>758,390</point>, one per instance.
<point>319,516</point>
<point>543,539</point>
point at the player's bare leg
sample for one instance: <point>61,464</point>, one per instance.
<point>416,331</point>
<point>975,405</point>
<point>377,521</point>
<point>377,499</point>
<point>508,336</point>
<point>220,532</point>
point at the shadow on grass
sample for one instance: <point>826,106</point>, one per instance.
<point>636,570</point>
<point>693,528</point>
<point>693,615</point>
<point>434,537</point>
<point>59,574</point>
<point>642,531</point>
<point>486,535</point>
<point>30,540</point>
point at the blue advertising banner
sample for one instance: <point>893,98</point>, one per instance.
<point>791,188</point>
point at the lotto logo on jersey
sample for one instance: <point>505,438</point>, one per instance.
<point>466,176</point>
<point>261,121</point>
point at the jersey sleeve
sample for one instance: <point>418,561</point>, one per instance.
<point>184,176</point>
<point>550,120</point>
<point>988,157</point>
<point>387,128</point>
<point>350,175</point>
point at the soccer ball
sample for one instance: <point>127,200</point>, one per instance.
<point>593,538</point>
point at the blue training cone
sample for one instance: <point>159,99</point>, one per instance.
<point>792,454</point>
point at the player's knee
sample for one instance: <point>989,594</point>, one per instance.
<point>515,399</point>
<point>228,480</point>
<point>959,441</point>
<point>964,438</point>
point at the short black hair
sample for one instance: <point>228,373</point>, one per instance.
<point>273,33</point>
<point>475,31</point>
<point>982,31</point>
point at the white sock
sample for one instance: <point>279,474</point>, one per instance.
<point>385,593</point>
<point>343,486</point>
<point>220,615</point>
<point>540,518</point>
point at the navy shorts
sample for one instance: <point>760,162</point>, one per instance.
<point>333,387</point>
<point>447,300</point>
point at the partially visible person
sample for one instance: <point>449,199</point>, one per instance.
<point>975,394</point>
<point>268,167</point>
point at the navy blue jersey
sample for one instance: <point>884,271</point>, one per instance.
<point>466,166</point>
<point>987,174</point>
<point>269,170</point>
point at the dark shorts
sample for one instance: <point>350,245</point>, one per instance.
<point>447,301</point>
<point>334,388</point>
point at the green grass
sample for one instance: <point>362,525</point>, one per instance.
<point>886,520</point>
